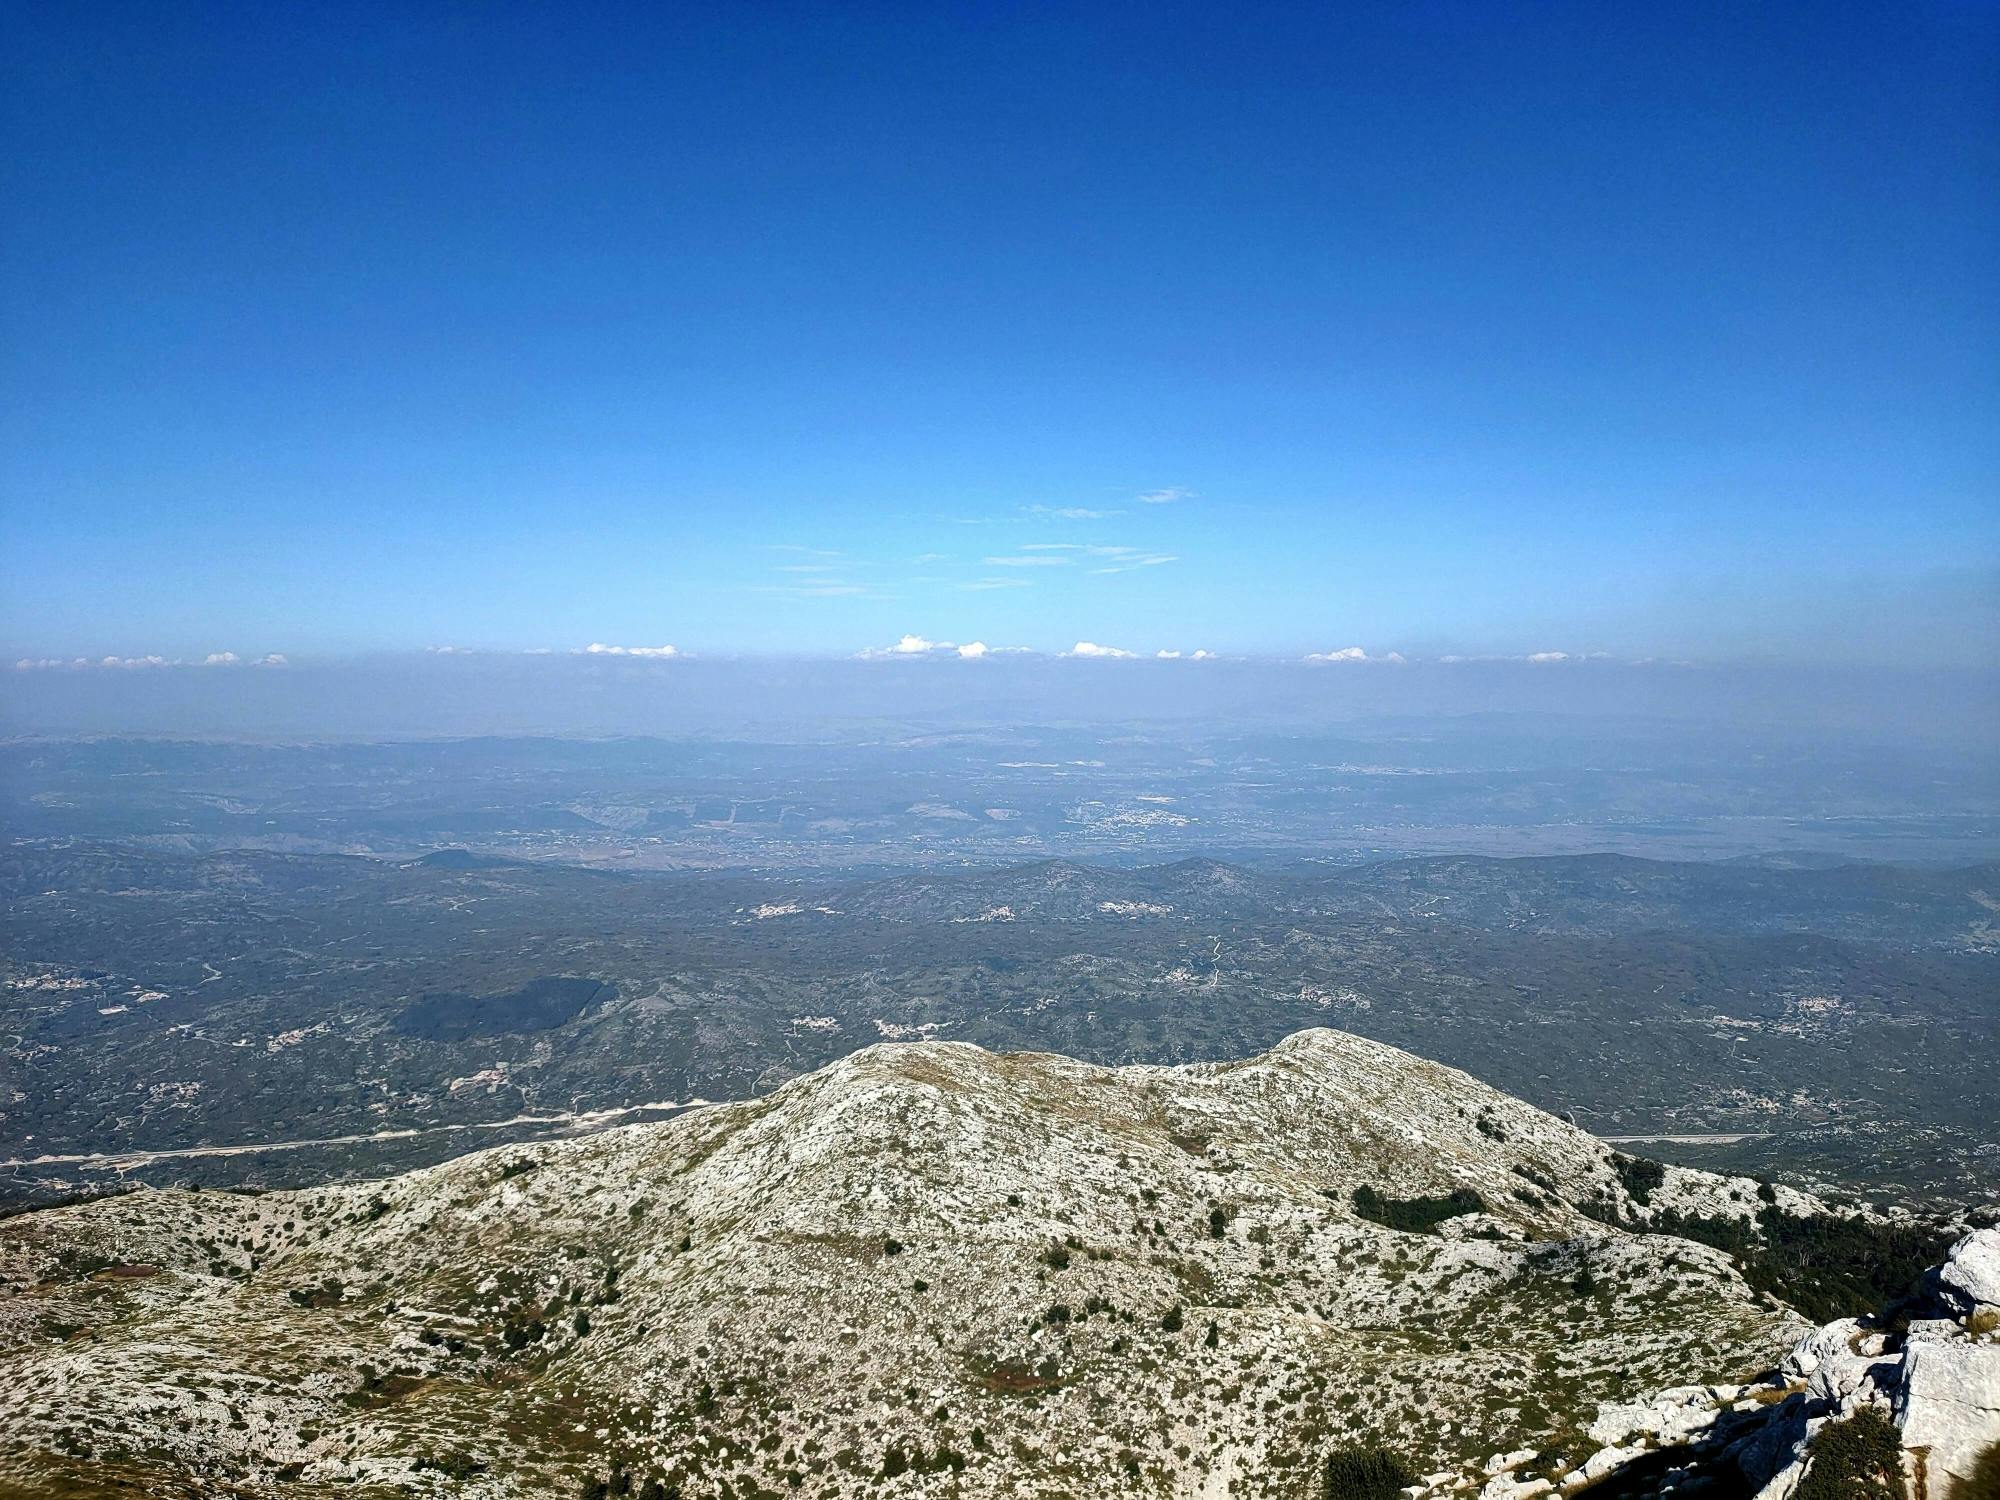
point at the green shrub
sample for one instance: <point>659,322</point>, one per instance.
<point>1415,1215</point>
<point>1858,1458</point>
<point>1829,1266</point>
<point>1639,1175</point>
<point>1983,1483</point>
<point>1826,1265</point>
<point>1365,1473</point>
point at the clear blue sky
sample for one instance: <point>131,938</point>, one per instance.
<point>772,328</point>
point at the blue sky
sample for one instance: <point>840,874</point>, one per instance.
<point>1662,331</point>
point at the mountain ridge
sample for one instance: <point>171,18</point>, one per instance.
<point>923,1269</point>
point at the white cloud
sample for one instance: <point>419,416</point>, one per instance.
<point>274,659</point>
<point>1070,512</point>
<point>1203,656</point>
<point>909,645</point>
<point>1166,496</point>
<point>1168,655</point>
<point>1146,560</point>
<point>137,663</point>
<point>1537,658</point>
<point>913,646</point>
<point>1091,648</point>
<point>1355,653</point>
<point>451,651</point>
<point>998,583</point>
<point>653,653</point>
<point>1117,559</point>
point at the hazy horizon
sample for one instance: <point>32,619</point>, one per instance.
<point>583,695</point>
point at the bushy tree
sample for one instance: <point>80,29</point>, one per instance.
<point>1365,1473</point>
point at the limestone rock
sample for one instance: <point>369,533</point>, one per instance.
<point>1950,1403</point>
<point>1970,1276</point>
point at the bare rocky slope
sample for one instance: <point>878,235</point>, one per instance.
<point>926,1269</point>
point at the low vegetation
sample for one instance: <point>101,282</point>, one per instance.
<point>1416,1215</point>
<point>1365,1473</point>
<point>1857,1458</point>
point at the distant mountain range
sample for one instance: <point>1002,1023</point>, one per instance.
<point>366,1014</point>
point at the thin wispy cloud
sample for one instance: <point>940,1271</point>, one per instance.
<point>1032,560</point>
<point>1168,496</point>
<point>1070,512</point>
<point>1353,654</point>
<point>1145,560</point>
<point>1116,558</point>
<point>814,586</point>
<point>979,585</point>
<point>651,653</point>
<point>1535,658</point>
<point>149,662</point>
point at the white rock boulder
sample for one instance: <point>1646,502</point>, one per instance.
<point>1950,1404</point>
<point>1970,1276</point>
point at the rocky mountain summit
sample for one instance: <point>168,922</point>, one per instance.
<point>929,1269</point>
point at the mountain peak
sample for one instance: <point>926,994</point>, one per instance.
<point>1037,1274</point>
